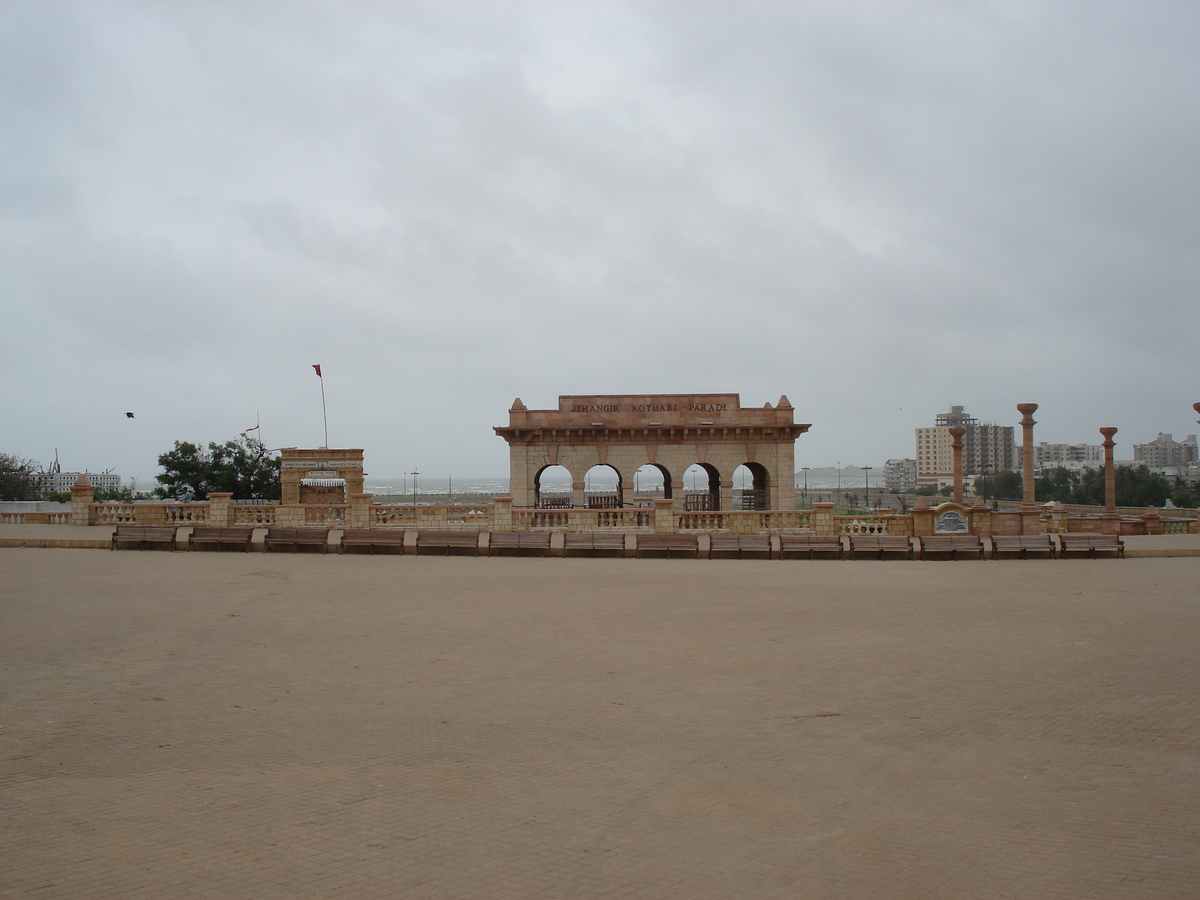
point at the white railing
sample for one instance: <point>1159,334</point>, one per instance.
<point>252,515</point>
<point>186,513</point>
<point>622,518</point>
<point>701,521</point>
<point>861,524</point>
<point>35,518</point>
<point>325,515</point>
<point>114,514</point>
<point>534,519</point>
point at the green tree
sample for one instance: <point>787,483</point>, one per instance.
<point>243,467</point>
<point>18,478</point>
<point>1136,486</point>
<point>1059,485</point>
<point>1141,487</point>
<point>1000,486</point>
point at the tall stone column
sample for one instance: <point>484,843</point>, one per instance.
<point>726,496</point>
<point>1027,495</point>
<point>957,432</point>
<point>1110,522</point>
<point>578,495</point>
<point>676,494</point>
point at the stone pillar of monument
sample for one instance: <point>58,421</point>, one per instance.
<point>957,432</point>
<point>578,495</point>
<point>1027,494</point>
<point>1110,522</point>
<point>625,494</point>
<point>726,496</point>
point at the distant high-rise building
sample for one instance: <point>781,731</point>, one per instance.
<point>987,448</point>
<point>1165,451</point>
<point>899,475</point>
<point>1068,456</point>
<point>64,481</point>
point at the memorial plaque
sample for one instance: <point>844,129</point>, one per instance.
<point>950,523</point>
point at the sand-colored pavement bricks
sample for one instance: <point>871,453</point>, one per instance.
<point>249,726</point>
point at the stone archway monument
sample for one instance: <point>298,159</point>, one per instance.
<point>669,431</point>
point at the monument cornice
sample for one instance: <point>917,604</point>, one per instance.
<point>684,434</point>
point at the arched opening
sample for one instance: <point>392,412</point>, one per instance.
<point>552,488</point>
<point>651,482</point>
<point>750,488</point>
<point>602,487</point>
<point>701,488</point>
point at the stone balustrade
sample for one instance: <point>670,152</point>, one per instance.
<point>359,512</point>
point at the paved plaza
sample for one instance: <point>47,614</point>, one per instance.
<point>260,726</point>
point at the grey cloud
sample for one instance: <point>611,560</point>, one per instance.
<point>878,209</point>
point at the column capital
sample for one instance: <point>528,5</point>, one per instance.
<point>1027,410</point>
<point>1108,433</point>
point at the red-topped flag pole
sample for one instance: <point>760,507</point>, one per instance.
<point>324,417</point>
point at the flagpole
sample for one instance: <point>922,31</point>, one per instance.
<point>324,417</point>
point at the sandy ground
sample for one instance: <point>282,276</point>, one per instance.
<point>228,725</point>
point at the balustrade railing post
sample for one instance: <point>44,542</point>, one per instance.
<point>218,508</point>
<point>502,518</point>
<point>822,519</point>
<point>82,493</point>
<point>359,515</point>
<point>664,518</point>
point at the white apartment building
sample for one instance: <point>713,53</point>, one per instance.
<point>900,475</point>
<point>1068,456</point>
<point>64,481</point>
<point>1165,451</point>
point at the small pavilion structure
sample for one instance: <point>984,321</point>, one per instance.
<point>320,476</point>
<point>670,432</point>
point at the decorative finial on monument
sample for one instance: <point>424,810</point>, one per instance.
<point>83,481</point>
<point>768,405</point>
<point>517,404</point>
<point>784,403</point>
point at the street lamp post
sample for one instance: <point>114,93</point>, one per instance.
<point>805,470</point>
<point>839,490</point>
<point>414,474</point>
<point>867,490</point>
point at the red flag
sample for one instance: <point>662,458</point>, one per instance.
<point>318,368</point>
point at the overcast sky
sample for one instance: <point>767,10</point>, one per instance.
<point>878,209</point>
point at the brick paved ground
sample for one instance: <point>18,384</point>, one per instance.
<point>204,725</point>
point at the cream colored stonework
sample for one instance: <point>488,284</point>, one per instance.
<point>669,431</point>
<point>323,463</point>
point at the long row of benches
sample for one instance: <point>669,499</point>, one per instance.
<point>738,546</point>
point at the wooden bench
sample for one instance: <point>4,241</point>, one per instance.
<point>738,545</point>
<point>220,537</point>
<point>666,543</point>
<point>1022,545</point>
<point>877,545</point>
<point>1091,544</point>
<point>810,545</point>
<point>593,542</point>
<point>445,541</point>
<point>372,538</point>
<point>952,545</point>
<point>297,538</point>
<point>519,542</point>
<point>144,535</point>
